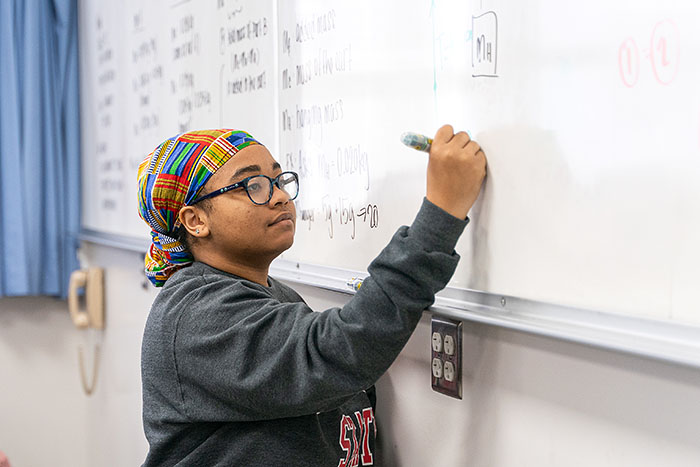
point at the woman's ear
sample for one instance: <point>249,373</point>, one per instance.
<point>195,221</point>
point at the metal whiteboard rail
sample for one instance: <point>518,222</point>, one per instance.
<point>656,339</point>
<point>122,242</point>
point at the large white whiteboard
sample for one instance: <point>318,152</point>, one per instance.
<point>151,70</point>
<point>589,116</point>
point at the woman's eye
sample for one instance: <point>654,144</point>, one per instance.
<point>254,186</point>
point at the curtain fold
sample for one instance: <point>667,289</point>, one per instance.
<point>39,146</point>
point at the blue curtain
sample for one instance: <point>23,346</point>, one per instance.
<point>39,146</point>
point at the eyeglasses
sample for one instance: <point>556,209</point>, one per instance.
<point>260,187</point>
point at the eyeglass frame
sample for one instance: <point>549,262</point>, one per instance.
<point>244,183</point>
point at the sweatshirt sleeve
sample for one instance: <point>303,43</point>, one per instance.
<point>241,355</point>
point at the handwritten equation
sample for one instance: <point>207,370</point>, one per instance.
<point>110,167</point>
<point>315,56</point>
<point>341,213</point>
<point>240,39</point>
<point>663,55</point>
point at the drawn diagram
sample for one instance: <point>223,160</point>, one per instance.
<point>485,45</point>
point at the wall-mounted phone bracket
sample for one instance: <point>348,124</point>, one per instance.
<point>91,281</point>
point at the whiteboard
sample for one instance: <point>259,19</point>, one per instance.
<point>152,70</point>
<point>589,117</point>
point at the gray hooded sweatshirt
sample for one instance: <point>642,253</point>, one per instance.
<point>238,374</point>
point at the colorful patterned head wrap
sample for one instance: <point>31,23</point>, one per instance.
<point>171,177</point>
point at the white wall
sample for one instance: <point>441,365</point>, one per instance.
<point>42,409</point>
<point>115,431</point>
<point>528,401</point>
<point>532,401</point>
<point>45,418</point>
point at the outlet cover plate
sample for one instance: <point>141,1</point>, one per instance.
<point>452,328</point>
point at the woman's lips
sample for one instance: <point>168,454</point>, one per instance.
<point>284,219</point>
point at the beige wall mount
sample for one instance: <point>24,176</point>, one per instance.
<point>92,282</point>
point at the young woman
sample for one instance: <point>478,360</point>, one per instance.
<point>236,368</point>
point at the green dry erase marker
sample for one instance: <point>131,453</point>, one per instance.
<point>416,141</point>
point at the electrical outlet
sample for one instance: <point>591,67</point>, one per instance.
<point>446,356</point>
<point>437,368</point>
<point>449,372</point>
<point>449,345</point>
<point>437,342</point>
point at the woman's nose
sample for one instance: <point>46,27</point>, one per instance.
<point>279,196</point>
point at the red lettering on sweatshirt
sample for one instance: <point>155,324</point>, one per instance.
<point>346,426</point>
<point>364,420</point>
<point>349,438</point>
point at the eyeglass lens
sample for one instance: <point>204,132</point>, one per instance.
<point>260,192</point>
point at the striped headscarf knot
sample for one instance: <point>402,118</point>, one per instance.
<point>171,177</point>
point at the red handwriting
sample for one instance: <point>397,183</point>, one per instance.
<point>663,54</point>
<point>628,57</point>
<point>665,51</point>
